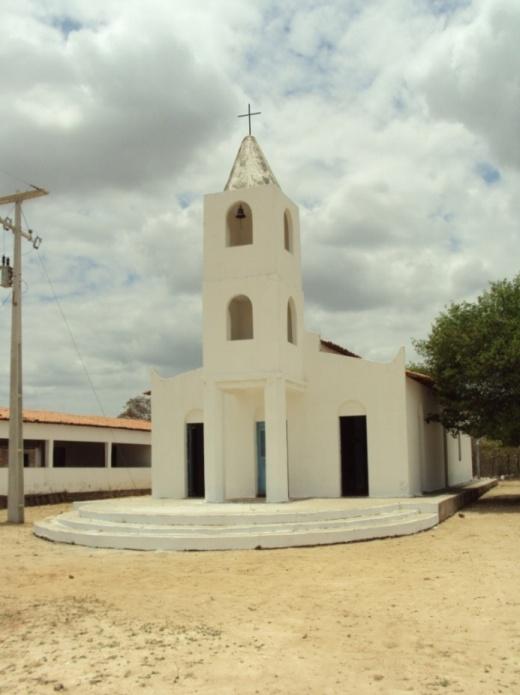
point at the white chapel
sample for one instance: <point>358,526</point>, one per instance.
<point>276,412</point>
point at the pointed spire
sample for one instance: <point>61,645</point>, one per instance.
<point>250,168</point>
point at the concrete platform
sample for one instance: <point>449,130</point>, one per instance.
<point>143,523</point>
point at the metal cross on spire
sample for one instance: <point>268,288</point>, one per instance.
<point>249,114</point>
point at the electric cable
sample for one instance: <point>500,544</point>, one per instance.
<point>80,357</point>
<point>17,178</point>
<point>71,335</point>
<point>76,348</point>
<point>73,340</point>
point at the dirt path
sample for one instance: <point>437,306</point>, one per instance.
<point>438,612</point>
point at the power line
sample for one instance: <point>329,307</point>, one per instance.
<point>17,178</point>
<point>78,352</point>
<point>73,340</point>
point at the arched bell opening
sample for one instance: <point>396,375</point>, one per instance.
<point>239,225</point>
<point>240,318</point>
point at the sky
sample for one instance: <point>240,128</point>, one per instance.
<point>393,124</point>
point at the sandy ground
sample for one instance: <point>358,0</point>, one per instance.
<point>438,612</point>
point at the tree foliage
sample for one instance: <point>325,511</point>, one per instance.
<point>138,408</point>
<point>418,367</point>
<point>473,355</point>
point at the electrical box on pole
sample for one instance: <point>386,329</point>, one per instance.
<point>11,277</point>
<point>6,273</point>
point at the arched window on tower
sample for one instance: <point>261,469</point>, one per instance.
<point>287,232</point>
<point>291,321</point>
<point>240,318</point>
<point>239,225</point>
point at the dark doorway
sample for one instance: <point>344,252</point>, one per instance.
<point>195,458</point>
<point>354,460</point>
<point>260,459</point>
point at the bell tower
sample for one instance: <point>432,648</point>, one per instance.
<point>253,328</point>
<point>252,294</point>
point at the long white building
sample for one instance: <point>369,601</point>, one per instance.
<point>66,453</point>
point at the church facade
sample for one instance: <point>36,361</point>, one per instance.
<point>275,411</point>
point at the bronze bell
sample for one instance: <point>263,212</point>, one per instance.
<point>240,214</point>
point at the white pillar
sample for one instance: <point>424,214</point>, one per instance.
<point>37,457</point>
<point>49,453</point>
<point>108,454</point>
<point>214,472</point>
<point>277,481</point>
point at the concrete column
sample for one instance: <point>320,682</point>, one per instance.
<point>37,457</point>
<point>277,481</point>
<point>108,454</point>
<point>214,463</point>
<point>49,453</point>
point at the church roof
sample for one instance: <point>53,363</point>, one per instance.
<point>329,346</point>
<point>250,168</point>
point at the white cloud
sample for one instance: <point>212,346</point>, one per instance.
<point>471,75</point>
<point>393,124</point>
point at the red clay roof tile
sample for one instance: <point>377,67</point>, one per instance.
<point>51,418</point>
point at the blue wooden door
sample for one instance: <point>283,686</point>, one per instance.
<point>260,459</point>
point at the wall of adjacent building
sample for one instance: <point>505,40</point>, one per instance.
<point>426,450</point>
<point>40,481</point>
<point>41,477</point>
<point>460,467</point>
<point>436,459</point>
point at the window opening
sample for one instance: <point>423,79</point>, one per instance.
<point>291,322</point>
<point>287,232</point>
<point>240,318</point>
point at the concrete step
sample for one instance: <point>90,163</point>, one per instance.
<point>104,536</point>
<point>255,514</point>
<point>75,521</point>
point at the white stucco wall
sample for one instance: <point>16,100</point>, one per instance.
<point>174,401</point>
<point>240,443</point>
<point>335,385</point>
<point>434,453</point>
<point>460,468</point>
<point>334,382</point>
<point>265,272</point>
<point>52,480</point>
<point>427,463</point>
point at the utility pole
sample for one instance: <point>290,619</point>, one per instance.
<point>13,278</point>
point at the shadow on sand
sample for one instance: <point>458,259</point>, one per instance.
<point>503,503</point>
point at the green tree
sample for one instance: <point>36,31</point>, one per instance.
<point>138,408</point>
<point>473,355</point>
<point>418,367</point>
